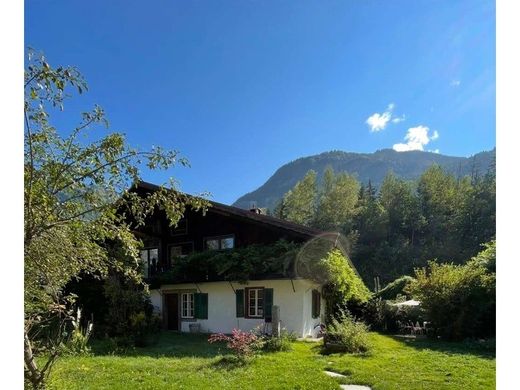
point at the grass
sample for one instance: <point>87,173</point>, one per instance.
<point>185,361</point>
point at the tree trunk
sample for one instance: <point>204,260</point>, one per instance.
<point>31,369</point>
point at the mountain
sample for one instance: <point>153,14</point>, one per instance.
<point>365,166</point>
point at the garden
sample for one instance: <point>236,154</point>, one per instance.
<point>186,361</point>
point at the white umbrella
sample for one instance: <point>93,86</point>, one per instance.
<point>411,302</point>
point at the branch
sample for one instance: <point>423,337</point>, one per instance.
<point>67,152</point>
<point>31,171</point>
<point>93,171</point>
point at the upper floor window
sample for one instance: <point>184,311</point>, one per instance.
<point>179,250</point>
<point>221,242</point>
<point>149,258</point>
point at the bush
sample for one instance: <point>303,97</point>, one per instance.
<point>242,344</point>
<point>459,300</point>
<point>281,343</point>
<point>383,316</point>
<point>130,312</point>
<point>394,289</point>
<point>78,342</point>
<point>345,334</point>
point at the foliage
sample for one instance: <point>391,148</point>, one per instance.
<point>395,288</point>
<point>76,202</point>
<point>337,201</point>
<point>459,300</point>
<point>404,224</point>
<point>345,334</point>
<point>299,204</point>
<point>342,284</point>
<point>130,316</point>
<point>243,344</point>
<point>237,264</point>
<point>78,343</point>
<point>283,342</point>
<point>383,316</point>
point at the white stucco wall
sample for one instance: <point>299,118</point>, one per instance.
<point>295,306</point>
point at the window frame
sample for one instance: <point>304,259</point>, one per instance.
<point>148,265</point>
<point>179,244</point>
<point>247,292</point>
<point>316,304</point>
<point>219,239</point>
<point>190,306</point>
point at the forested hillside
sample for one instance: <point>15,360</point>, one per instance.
<point>365,167</point>
<point>400,224</point>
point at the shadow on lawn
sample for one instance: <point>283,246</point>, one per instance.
<point>484,349</point>
<point>164,344</point>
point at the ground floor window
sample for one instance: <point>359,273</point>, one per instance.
<point>316,303</point>
<point>255,302</point>
<point>187,305</point>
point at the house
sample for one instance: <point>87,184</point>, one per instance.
<point>204,299</point>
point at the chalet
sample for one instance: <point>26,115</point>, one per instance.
<point>204,300</point>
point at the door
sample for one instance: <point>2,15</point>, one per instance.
<point>172,307</point>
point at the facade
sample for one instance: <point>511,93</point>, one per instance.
<point>211,302</point>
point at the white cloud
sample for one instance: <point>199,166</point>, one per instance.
<point>378,122</point>
<point>455,83</point>
<point>416,138</point>
<point>437,151</point>
<point>399,119</point>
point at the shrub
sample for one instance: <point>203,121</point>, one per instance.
<point>130,312</point>
<point>394,289</point>
<point>242,344</point>
<point>281,343</point>
<point>345,334</point>
<point>383,316</point>
<point>459,300</point>
<point>78,342</point>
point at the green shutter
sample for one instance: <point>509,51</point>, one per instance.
<point>240,302</point>
<point>200,301</point>
<point>268,304</point>
<point>316,304</point>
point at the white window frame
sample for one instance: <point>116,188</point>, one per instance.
<point>188,310</point>
<point>258,293</point>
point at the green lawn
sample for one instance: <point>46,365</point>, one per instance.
<point>184,361</point>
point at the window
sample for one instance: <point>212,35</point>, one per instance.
<point>217,243</point>
<point>187,305</point>
<point>255,302</point>
<point>179,250</point>
<point>149,258</point>
<point>316,303</point>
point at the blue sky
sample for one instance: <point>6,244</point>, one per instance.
<point>242,87</point>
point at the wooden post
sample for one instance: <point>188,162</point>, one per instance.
<point>276,321</point>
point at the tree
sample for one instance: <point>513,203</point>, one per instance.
<point>337,201</point>
<point>459,300</point>
<point>76,203</point>
<point>299,204</point>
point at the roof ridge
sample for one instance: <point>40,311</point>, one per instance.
<point>275,221</point>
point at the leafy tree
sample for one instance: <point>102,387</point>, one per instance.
<point>76,202</point>
<point>459,300</point>
<point>438,197</point>
<point>337,201</point>
<point>299,204</point>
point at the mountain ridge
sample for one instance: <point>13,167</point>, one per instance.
<point>365,166</point>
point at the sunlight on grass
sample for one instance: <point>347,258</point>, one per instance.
<point>186,361</point>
